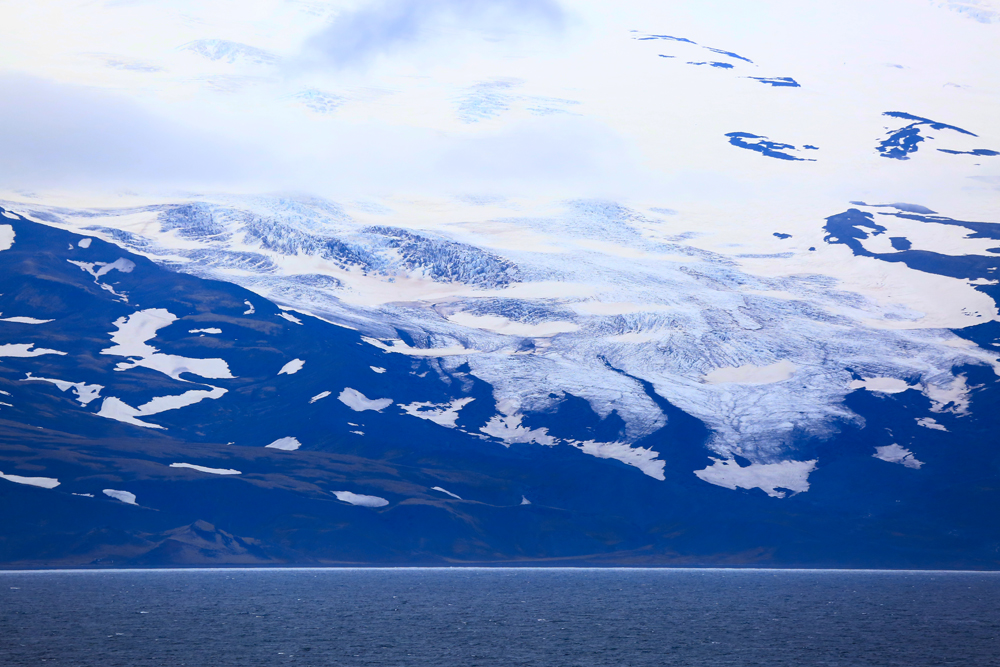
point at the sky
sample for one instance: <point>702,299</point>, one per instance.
<point>530,98</point>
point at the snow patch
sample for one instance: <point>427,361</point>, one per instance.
<point>213,471</point>
<point>85,393</point>
<point>123,496</point>
<point>358,402</point>
<point>445,491</point>
<point>250,309</point>
<point>135,329</point>
<point>99,269</point>
<point>750,374</point>
<point>507,427</point>
<point>164,403</point>
<point>24,350</point>
<point>24,320</point>
<point>6,235</point>
<point>360,499</point>
<point>287,444</point>
<point>115,408</point>
<point>502,325</point>
<point>43,482</point>
<point>896,454</point>
<point>400,347</point>
<point>769,477</point>
<point>953,398</point>
<point>320,396</point>
<point>931,423</point>
<point>292,367</point>
<point>644,459</point>
<point>445,414</point>
<point>139,327</point>
<point>882,385</point>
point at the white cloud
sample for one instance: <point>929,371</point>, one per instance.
<point>384,26</point>
<point>63,135</point>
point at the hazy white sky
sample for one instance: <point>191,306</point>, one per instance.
<point>516,97</point>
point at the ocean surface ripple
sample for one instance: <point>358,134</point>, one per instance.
<point>466,617</point>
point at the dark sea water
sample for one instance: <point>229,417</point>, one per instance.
<point>465,617</point>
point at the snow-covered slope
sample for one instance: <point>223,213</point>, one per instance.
<point>761,339</point>
<point>131,387</point>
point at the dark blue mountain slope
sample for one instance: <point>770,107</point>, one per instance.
<point>853,226</point>
<point>900,143</point>
<point>755,142</point>
<point>777,81</point>
<point>111,377</point>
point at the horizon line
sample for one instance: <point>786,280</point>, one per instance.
<point>335,568</point>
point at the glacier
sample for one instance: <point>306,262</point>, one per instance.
<point>762,346</point>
